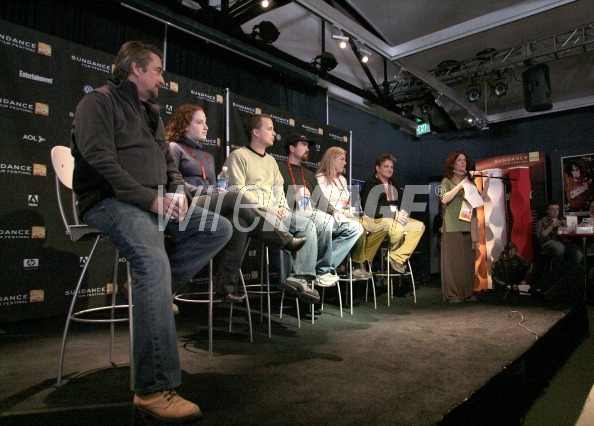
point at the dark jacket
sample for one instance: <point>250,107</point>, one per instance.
<point>374,199</point>
<point>510,271</point>
<point>120,151</point>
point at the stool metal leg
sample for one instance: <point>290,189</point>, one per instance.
<point>71,309</point>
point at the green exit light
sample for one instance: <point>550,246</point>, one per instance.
<point>423,128</point>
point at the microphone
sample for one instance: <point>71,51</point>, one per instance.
<point>472,175</point>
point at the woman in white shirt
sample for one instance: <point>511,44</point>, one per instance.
<point>334,185</point>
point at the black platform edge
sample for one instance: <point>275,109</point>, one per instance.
<point>506,398</point>
<point>114,414</point>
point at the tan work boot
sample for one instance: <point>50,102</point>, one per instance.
<point>167,406</point>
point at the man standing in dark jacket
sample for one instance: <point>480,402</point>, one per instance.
<point>122,170</point>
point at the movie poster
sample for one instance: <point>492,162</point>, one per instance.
<point>577,183</point>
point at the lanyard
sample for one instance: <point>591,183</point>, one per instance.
<point>198,160</point>
<point>339,182</point>
<point>345,201</point>
<point>386,185</point>
<point>293,176</point>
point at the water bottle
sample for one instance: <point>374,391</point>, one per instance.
<point>223,180</point>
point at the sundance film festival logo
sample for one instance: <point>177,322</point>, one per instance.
<point>205,96</point>
<point>16,169</point>
<point>15,234</point>
<point>18,43</point>
<point>33,200</point>
<point>15,299</point>
<point>247,109</point>
<point>17,105</point>
<point>89,63</point>
<point>282,120</point>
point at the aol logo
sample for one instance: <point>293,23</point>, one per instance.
<point>34,138</point>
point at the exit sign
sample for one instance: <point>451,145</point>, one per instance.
<point>423,128</point>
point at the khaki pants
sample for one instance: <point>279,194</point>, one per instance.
<point>401,248</point>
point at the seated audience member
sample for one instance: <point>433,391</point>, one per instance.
<point>335,188</point>
<point>510,270</point>
<point>255,172</point>
<point>186,131</point>
<point>122,168</point>
<point>336,234</point>
<point>382,214</point>
<point>551,242</point>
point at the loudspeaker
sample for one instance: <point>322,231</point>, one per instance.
<point>537,88</point>
<point>563,284</point>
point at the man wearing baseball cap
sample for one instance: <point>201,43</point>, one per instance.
<point>306,199</point>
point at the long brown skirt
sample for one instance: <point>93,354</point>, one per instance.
<point>457,266</point>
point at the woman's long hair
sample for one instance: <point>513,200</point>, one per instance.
<point>179,122</point>
<point>448,171</point>
<point>326,165</point>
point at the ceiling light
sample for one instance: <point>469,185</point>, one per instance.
<point>499,87</point>
<point>325,62</point>
<point>473,93</point>
<point>470,119</point>
<point>364,54</point>
<point>340,36</point>
<point>264,3</point>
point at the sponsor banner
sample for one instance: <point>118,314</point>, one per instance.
<point>44,79</point>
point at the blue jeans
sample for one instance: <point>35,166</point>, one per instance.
<point>562,251</point>
<point>158,274</point>
<point>331,242</point>
<point>305,261</point>
<point>344,238</point>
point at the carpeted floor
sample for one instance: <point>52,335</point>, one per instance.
<point>407,364</point>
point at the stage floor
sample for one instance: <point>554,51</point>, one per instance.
<point>407,364</point>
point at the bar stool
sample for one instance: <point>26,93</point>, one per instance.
<point>198,297</point>
<point>262,289</point>
<point>63,165</point>
<point>390,274</point>
<point>350,279</point>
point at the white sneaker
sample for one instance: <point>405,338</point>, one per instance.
<point>326,280</point>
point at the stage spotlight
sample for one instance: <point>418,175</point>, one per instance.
<point>363,52</point>
<point>473,93</point>
<point>499,87</point>
<point>426,108</point>
<point>264,3</point>
<point>265,31</point>
<point>364,55</point>
<point>340,36</point>
<point>325,62</point>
